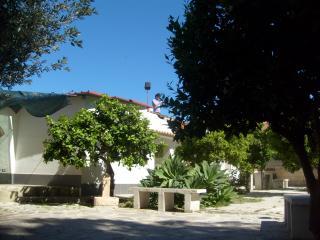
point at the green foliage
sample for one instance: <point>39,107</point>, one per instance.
<point>212,178</point>
<point>217,147</point>
<point>247,153</point>
<point>212,147</point>
<point>240,63</point>
<point>126,203</point>
<point>261,149</point>
<point>175,173</point>
<point>239,73</point>
<point>31,29</point>
<point>161,148</point>
<point>113,132</point>
<point>172,173</point>
<point>287,154</point>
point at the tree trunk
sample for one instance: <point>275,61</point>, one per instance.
<point>111,175</point>
<point>314,189</point>
<point>318,168</point>
<point>314,224</point>
<point>305,164</point>
<point>248,182</point>
<point>261,176</point>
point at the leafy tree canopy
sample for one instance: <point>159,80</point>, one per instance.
<point>216,147</point>
<point>31,29</point>
<point>261,149</point>
<point>247,62</point>
<point>246,152</point>
<point>244,62</point>
<point>111,132</point>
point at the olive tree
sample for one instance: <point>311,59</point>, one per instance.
<point>32,29</point>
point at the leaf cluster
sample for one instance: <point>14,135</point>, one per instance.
<point>241,63</point>
<point>175,173</point>
<point>246,152</point>
<point>32,29</point>
<point>112,132</point>
<point>217,147</point>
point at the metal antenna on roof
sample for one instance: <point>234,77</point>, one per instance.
<point>147,87</point>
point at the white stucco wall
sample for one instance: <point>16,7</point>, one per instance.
<point>7,156</point>
<point>125,176</point>
<point>29,132</point>
<point>5,139</point>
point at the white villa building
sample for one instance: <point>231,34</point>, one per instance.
<point>22,135</point>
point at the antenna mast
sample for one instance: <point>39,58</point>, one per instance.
<point>147,87</point>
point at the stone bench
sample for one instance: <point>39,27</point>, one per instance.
<point>296,215</point>
<point>280,183</point>
<point>166,198</point>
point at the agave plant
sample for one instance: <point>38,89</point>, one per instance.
<point>212,178</point>
<point>172,172</point>
<point>151,180</point>
<point>208,176</point>
<point>175,173</point>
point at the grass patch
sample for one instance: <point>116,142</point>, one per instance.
<point>126,202</point>
<point>245,199</point>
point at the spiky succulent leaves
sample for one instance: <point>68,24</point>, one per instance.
<point>175,173</point>
<point>152,180</point>
<point>212,178</point>
<point>172,172</point>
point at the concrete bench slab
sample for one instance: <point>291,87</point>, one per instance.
<point>296,210</point>
<point>166,198</point>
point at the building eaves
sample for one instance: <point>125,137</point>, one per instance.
<point>96,94</point>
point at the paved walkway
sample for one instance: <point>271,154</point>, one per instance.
<point>257,220</point>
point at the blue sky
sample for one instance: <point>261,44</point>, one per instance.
<point>124,46</point>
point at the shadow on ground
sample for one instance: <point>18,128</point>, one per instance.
<point>54,228</point>
<point>270,193</point>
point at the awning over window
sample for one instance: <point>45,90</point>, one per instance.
<point>37,104</point>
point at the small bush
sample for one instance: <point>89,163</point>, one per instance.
<point>126,202</point>
<point>215,180</point>
<point>172,173</point>
<point>175,173</point>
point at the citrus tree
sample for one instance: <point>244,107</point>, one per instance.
<point>111,132</point>
<point>246,152</point>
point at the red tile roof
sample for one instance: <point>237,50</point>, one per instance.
<point>96,94</point>
<point>132,101</point>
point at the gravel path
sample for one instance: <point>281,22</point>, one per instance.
<point>256,220</point>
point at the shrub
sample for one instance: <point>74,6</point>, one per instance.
<point>175,173</point>
<point>172,173</point>
<point>215,180</point>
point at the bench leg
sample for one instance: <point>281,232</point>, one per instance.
<point>141,199</point>
<point>191,202</point>
<point>287,216</point>
<point>165,201</point>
